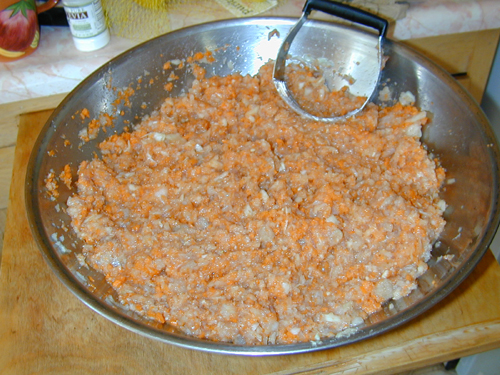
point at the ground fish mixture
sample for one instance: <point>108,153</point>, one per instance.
<point>230,217</point>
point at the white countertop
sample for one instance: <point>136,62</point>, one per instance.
<point>57,67</point>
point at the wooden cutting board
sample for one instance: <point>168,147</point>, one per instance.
<point>44,329</point>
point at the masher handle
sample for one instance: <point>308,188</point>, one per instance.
<point>349,13</point>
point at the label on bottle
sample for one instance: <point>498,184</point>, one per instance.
<point>86,21</point>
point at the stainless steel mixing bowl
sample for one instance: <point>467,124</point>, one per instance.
<point>459,136</point>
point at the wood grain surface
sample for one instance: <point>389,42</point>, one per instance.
<point>467,55</point>
<point>44,329</point>
<point>9,124</point>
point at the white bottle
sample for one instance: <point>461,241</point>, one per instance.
<point>87,24</point>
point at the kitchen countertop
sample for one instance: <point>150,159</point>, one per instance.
<point>57,67</point>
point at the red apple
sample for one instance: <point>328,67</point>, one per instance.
<point>18,26</point>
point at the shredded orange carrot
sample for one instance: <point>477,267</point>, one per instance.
<point>84,114</point>
<point>66,177</point>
